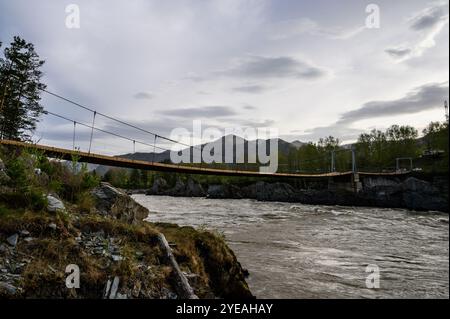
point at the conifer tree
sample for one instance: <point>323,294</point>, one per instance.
<point>20,88</point>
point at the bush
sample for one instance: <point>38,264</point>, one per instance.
<point>17,171</point>
<point>36,200</point>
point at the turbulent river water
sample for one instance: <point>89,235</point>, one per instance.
<point>303,251</point>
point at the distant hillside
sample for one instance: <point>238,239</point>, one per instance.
<point>283,148</point>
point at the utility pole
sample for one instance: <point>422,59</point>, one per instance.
<point>446,110</point>
<point>353,159</point>
<point>333,161</point>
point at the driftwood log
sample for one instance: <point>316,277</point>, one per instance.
<point>182,285</point>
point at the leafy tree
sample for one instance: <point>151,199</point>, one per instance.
<point>135,179</point>
<point>436,136</point>
<point>20,86</point>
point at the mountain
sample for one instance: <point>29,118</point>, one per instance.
<point>298,144</point>
<point>284,148</point>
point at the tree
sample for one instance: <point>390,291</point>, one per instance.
<point>436,136</point>
<point>20,84</point>
<point>135,179</point>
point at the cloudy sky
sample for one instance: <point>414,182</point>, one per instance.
<point>308,68</point>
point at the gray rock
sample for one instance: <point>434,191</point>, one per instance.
<point>12,240</point>
<point>413,184</point>
<point>116,257</point>
<point>8,289</point>
<point>114,288</point>
<point>377,182</point>
<point>275,192</point>
<point>24,233</point>
<point>115,203</point>
<point>52,226</point>
<point>194,189</point>
<point>216,191</point>
<point>159,186</point>
<point>3,249</point>
<point>55,204</point>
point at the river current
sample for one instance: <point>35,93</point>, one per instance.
<point>307,251</point>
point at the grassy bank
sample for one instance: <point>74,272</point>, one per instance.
<point>38,243</point>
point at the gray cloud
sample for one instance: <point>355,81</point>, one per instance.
<point>342,132</point>
<point>291,28</point>
<point>398,52</point>
<point>249,107</point>
<point>205,111</point>
<point>143,96</point>
<point>194,78</point>
<point>428,23</point>
<point>429,18</point>
<point>254,89</point>
<point>425,97</point>
<point>251,123</point>
<point>273,67</point>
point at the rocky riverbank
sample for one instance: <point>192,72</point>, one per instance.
<point>48,238</point>
<point>118,255</point>
<point>410,192</point>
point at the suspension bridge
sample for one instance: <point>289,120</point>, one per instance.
<point>153,165</point>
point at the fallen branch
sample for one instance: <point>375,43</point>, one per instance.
<point>183,287</point>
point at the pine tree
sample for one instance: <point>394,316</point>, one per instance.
<point>20,88</point>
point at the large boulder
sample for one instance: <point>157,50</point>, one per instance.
<point>422,195</point>
<point>115,203</point>
<point>194,189</point>
<point>159,187</point>
<point>412,184</point>
<point>275,192</point>
<point>224,191</point>
<point>178,190</point>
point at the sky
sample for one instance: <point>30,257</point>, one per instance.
<point>307,68</point>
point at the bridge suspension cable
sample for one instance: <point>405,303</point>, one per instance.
<point>104,131</point>
<point>115,119</point>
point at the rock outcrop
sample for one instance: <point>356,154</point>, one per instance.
<point>117,204</point>
<point>189,188</point>
<point>411,193</point>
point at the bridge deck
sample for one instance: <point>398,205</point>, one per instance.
<point>115,161</point>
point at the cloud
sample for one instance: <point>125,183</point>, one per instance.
<point>194,78</point>
<point>204,112</point>
<point>399,52</point>
<point>428,23</point>
<point>143,96</point>
<point>429,18</point>
<point>291,28</point>
<point>249,107</point>
<point>254,123</point>
<point>425,97</point>
<point>342,132</point>
<point>254,89</point>
<point>260,67</point>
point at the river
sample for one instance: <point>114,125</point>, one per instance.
<point>304,251</point>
